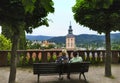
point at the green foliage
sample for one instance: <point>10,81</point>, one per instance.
<point>20,60</point>
<point>47,4</point>
<point>7,32</point>
<point>31,45</point>
<point>100,18</point>
<point>115,45</point>
<point>22,40</point>
<point>50,46</point>
<point>28,19</point>
<point>38,45</point>
<point>5,44</point>
<point>100,3</point>
<point>48,58</point>
<point>29,5</point>
<point>54,57</point>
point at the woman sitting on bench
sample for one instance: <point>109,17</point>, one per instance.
<point>63,59</point>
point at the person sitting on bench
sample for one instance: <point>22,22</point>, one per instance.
<point>62,59</point>
<point>74,59</point>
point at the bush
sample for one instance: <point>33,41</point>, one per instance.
<point>5,44</point>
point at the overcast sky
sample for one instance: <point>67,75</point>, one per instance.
<point>61,20</point>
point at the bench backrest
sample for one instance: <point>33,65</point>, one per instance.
<point>44,68</point>
<point>79,67</point>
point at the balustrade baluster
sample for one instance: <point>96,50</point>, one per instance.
<point>119,57</point>
<point>48,57</point>
<point>40,56</point>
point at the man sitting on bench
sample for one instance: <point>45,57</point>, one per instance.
<point>74,59</point>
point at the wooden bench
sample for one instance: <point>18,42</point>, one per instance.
<point>45,68</point>
<point>56,68</point>
<point>80,68</point>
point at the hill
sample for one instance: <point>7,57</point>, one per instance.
<point>86,38</point>
<point>38,37</point>
<point>80,39</point>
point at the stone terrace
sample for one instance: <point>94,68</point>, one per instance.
<point>95,75</point>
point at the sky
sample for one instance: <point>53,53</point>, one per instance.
<point>60,21</point>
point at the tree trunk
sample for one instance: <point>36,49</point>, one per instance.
<point>108,55</point>
<point>13,65</point>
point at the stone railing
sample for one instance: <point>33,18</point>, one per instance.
<point>30,56</point>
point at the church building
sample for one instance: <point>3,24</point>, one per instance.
<point>70,39</point>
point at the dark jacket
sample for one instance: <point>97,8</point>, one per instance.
<point>62,59</point>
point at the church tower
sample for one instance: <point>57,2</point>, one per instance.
<point>70,39</point>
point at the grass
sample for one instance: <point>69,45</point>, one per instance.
<point>111,77</point>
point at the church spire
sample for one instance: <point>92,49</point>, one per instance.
<point>70,29</point>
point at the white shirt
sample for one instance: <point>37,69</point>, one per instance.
<point>76,59</point>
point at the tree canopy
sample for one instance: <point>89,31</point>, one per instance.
<point>22,15</point>
<point>96,17</point>
<point>13,12</point>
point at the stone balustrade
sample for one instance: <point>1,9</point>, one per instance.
<point>30,56</point>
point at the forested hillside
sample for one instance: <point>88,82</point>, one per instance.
<point>80,39</point>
